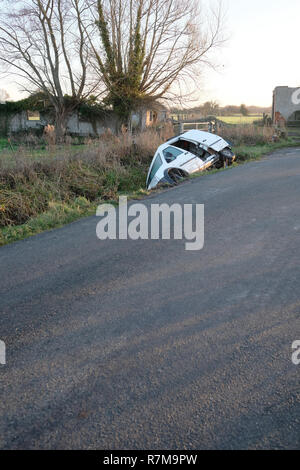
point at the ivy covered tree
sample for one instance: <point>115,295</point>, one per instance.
<point>149,49</point>
<point>132,51</point>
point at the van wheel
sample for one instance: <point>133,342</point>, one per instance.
<point>177,175</point>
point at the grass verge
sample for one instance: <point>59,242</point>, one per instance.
<point>129,181</point>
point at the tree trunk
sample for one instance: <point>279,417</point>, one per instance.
<point>61,120</point>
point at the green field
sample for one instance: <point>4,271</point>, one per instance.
<point>239,119</point>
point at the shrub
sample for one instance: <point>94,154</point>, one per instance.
<point>29,182</point>
<point>247,134</point>
<point>35,182</point>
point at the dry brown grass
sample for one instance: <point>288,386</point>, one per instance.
<point>247,134</point>
<point>98,170</point>
<point>30,181</point>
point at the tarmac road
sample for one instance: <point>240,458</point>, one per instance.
<point>143,345</point>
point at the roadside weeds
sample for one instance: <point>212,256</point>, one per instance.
<point>60,213</point>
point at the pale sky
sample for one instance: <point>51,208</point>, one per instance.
<point>263,52</point>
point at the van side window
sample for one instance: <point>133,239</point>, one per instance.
<point>171,153</point>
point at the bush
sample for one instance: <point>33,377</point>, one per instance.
<point>25,201</point>
<point>34,182</point>
<point>29,182</point>
<point>248,134</point>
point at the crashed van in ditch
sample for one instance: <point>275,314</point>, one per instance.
<point>188,153</point>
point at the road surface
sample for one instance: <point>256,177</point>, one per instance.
<point>143,345</point>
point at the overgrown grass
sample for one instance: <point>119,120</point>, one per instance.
<point>38,194</point>
<point>247,134</point>
<point>246,153</point>
<point>57,215</point>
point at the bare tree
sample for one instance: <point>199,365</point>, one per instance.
<point>210,108</point>
<point>43,42</point>
<point>148,49</point>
